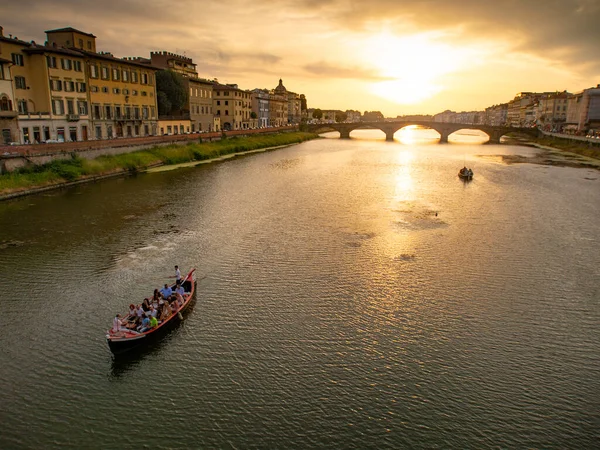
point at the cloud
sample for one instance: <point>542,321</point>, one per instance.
<point>324,69</point>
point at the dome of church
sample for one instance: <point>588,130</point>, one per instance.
<point>280,87</point>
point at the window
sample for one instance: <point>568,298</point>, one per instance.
<point>117,112</point>
<point>56,85</point>
<point>82,108</point>
<point>144,78</point>
<point>46,133</point>
<point>145,113</point>
<point>96,112</point>
<point>107,112</point>
<point>26,135</point>
<point>226,102</point>
<point>226,112</point>
<point>98,132</point>
<point>144,93</point>
<point>116,91</point>
<point>134,77</point>
<point>70,106</point>
<point>17,59</point>
<point>136,113</point>
<point>5,104</point>
<point>80,43</point>
<point>105,89</point>
<point>125,76</point>
<point>89,45</point>
<point>105,73</point>
<point>22,104</point>
<point>77,66</point>
<point>20,82</point>
<point>58,107</point>
<point>93,71</point>
<point>81,87</point>
<point>125,91</point>
<point>1,71</point>
<point>66,64</point>
<point>115,74</point>
<point>218,102</point>
<point>134,92</point>
<point>69,86</point>
<point>51,61</point>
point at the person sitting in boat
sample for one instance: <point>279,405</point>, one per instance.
<point>180,299</point>
<point>156,295</point>
<point>132,313</point>
<point>140,312</point>
<point>145,326</point>
<point>166,291</point>
<point>152,312</point>
<point>153,322</point>
<point>118,324</point>
<point>146,304</point>
<point>165,312</point>
<point>179,289</point>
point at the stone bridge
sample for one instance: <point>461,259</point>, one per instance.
<point>444,129</point>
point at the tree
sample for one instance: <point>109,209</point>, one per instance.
<point>341,116</point>
<point>317,114</point>
<point>174,92</point>
<point>302,102</point>
<point>164,105</point>
<point>253,115</point>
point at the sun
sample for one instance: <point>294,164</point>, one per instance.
<point>411,67</point>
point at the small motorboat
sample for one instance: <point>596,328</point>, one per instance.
<point>123,340</point>
<point>465,174</point>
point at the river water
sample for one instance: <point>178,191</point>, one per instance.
<point>357,295</point>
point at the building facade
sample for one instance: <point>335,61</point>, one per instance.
<point>201,105</point>
<point>121,92</point>
<point>233,106</point>
<point>260,107</point>
<point>9,128</point>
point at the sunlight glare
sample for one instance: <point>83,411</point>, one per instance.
<point>411,66</point>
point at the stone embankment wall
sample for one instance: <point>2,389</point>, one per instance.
<point>15,157</point>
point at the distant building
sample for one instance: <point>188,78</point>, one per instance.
<point>583,111</point>
<point>260,107</point>
<point>233,106</point>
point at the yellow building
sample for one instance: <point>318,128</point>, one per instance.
<point>50,92</point>
<point>122,92</point>
<point>201,104</point>
<point>233,106</point>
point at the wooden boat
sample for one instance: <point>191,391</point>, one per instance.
<point>124,340</point>
<point>465,174</point>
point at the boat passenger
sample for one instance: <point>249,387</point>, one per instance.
<point>153,311</point>
<point>140,312</point>
<point>132,313</point>
<point>153,322</point>
<point>166,291</point>
<point>145,324</point>
<point>146,304</point>
<point>179,289</point>
<point>177,274</point>
<point>156,295</point>
<point>118,324</point>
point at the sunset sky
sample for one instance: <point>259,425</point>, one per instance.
<point>399,57</point>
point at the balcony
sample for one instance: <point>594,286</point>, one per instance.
<point>72,117</point>
<point>9,114</point>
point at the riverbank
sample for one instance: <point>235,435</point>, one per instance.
<point>556,152</point>
<point>65,173</point>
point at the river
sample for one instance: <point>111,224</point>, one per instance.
<point>357,295</point>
